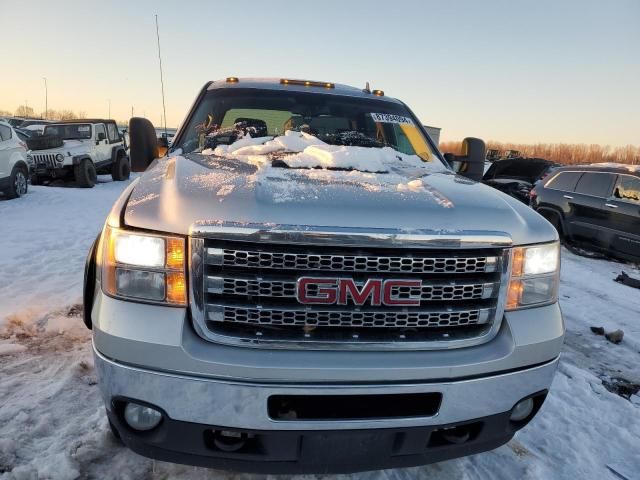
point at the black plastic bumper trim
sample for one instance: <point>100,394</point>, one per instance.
<point>316,451</point>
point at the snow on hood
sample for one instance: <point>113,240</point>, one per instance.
<point>183,191</point>
<point>308,151</point>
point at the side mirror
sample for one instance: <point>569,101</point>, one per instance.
<point>101,137</point>
<point>143,144</point>
<point>470,163</point>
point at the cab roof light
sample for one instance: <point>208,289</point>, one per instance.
<point>378,93</point>
<point>232,79</point>
<point>306,83</point>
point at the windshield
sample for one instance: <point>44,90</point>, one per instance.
<point>70,131</point>
<point>333,119</point>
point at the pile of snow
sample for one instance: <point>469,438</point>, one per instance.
<point>308,151</point>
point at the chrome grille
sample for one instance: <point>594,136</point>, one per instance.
<point>48,159</point>
<point>245,293</point>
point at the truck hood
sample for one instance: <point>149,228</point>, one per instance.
<point>181,192</point>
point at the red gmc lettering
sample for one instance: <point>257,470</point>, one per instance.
<point>390,299</point>
<point>326,295</point>
<point>344,291</point>
<point>372,288</point>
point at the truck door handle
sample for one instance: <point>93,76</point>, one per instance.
<point>610,205</point>
<point>568,197</point>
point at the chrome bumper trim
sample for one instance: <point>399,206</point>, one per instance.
<point>244,405</point>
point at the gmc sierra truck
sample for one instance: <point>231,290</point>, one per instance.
<point>303,284</point>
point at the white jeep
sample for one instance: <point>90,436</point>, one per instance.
<point>78,149</point>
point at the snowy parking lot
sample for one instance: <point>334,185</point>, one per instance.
<point>52,421</point>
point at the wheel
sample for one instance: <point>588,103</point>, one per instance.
<point>18,183</point>
<point>554,219</point>
<point>85,174</point>
<point>35,180</point>
<point>121,169</point>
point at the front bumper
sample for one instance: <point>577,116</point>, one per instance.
<point>194,406</point>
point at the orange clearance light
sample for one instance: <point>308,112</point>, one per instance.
<point>514,294</point>
<point>232,79</point>
<point>306,83</point>
<point>517,262</point>
<point>175,253</point>
<point>378,93</point>
<point>176,288</point>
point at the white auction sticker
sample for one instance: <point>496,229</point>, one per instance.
<point>391,118</point>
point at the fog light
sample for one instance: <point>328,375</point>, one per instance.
<point>522,410</point>
<point>140,417</point>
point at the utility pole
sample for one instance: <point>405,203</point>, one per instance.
<point>109,115</point>
<point>164,110</point>
<point>46,98</point>
<point>131,111</point>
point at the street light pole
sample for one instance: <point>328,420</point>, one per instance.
<point>46,98</point>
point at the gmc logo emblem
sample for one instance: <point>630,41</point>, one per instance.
<point>345,291</point>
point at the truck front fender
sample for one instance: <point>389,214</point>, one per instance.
<point>89,285</point>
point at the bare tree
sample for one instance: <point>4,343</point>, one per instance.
<point>24,111</point>
<point>564,153</point>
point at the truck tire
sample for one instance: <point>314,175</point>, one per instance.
<point>85,174</point>
<point>18,182</point>
<point>554,219</point>
<point>121,169</point>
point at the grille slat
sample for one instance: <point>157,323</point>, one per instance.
<point>346,318</point>
<point>350,263</point>
<point>258,287</point>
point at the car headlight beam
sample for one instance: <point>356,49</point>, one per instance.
<point>144,267</point>
<point>535,274</point>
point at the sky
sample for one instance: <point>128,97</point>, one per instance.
<point>525,71</point>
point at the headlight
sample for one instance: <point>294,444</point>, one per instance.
<point>29,159</point>
<point>534,276</point>
<point>144,267</point>
<point>59,158</point>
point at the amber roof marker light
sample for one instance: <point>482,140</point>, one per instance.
<point>232,79</point>
<point>378,93</point>
<point>306,83</point>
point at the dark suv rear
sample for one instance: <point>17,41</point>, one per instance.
<point>595,204</point>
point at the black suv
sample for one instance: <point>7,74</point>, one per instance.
<point>595,204</point>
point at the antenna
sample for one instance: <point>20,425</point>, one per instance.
<point>164,110</point>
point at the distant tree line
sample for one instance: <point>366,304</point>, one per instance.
<point>51,114</point>
<point>565,153</point>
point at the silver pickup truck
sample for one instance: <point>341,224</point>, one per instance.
<point>303,284</point>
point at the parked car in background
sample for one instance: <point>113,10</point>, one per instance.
<point>14,170</point>
<point>35,122</point>
<point>24,134</point>
<point>595,204</point>
<point>79,149</point>
<point>517,176</point>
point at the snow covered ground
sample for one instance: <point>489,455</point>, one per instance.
<point>52,423</point>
